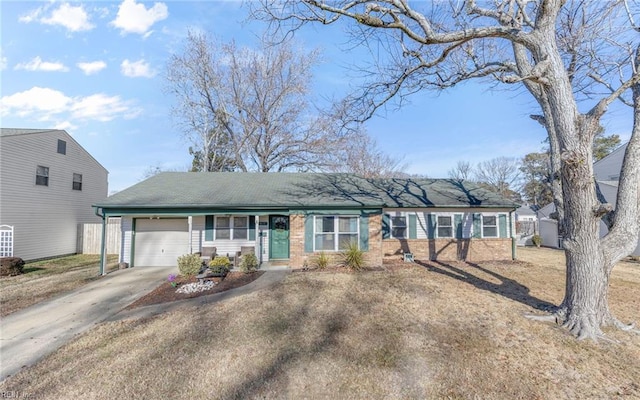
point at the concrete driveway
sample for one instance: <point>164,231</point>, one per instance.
<point>28,335</point>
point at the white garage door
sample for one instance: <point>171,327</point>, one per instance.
<point>159,242</point>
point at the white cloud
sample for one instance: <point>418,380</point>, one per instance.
<point>38,65</point>
<point>65,125</point>
<point>136,69</point>
<point>93,67</point>
<point>102,108</point>
<point>73,18</point>
<point>35,101</point>
<point>45,104</point>
<point>136,18</point>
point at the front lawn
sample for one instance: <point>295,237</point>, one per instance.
<point>441,330</point>
<point>48,278</point>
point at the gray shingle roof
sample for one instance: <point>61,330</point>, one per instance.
<point>297,190</point>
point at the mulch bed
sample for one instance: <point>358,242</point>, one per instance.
<point>167,293</point>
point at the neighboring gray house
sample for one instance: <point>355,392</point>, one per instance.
<point>290,218</point>
<point>48,183</point>
<point>607,174</point>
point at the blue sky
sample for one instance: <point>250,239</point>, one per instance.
<point>96,70</point>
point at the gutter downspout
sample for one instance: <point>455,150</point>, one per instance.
<point>103,270</point>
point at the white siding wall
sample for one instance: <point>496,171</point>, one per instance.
<point>46,218</point>
<point>467,220</point>
<point>127,235</point>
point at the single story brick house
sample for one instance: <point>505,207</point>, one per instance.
<point>289,218</point>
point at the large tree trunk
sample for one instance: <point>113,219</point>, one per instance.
<point>584,309</point>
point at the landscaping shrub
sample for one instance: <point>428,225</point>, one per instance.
<point>322,260</point>
<point>353,257</point>
<point>11,266</point>
<point>220,261</point>
<point>189,264</point>
<point>219,270</point>
<point>249,263</point>
<point>537,240</point>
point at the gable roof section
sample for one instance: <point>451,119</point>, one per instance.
<point>14,132</point>
<point>297,190</point>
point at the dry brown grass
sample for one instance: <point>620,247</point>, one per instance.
<point>442,331</point>
<point>45,279</point>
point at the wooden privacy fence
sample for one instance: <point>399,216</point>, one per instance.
<point>90,237</point>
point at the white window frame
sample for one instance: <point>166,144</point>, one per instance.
<point>336,231</point>
<point>392,226</point>
<point>232,228</point>
<point>45,175</point>
<point>450,226</point>
<point>497,226</point>
<point>76,184</point>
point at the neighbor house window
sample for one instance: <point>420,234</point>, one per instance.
<point>62,147</point>
<point>42,175</point>
<point>398,227</point>
<point>77,181</point>
<point>445,227</point>
<point>334,233</point>
<point>235,228</point>
<point>489,226</point>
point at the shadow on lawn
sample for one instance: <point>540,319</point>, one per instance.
<point>507,287</point>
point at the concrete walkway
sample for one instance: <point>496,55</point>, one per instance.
<point>28,335</point>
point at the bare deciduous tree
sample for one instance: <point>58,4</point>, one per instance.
<point>248,110</point>
<point>500,175</point>
<point>359,154</point>
<point>462,171</point>
<point>562,52</point>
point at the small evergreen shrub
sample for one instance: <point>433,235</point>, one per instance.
<point>219,270</point>
<point>353,257</point>
<point>537,240</point>
<point>322,260</point>
<point>189,265</point>
<point>249,263</point>
<point>220,261</point>
<point>11,266</point>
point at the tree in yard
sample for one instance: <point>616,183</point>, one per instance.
<point>603,145</point>
<point>563,53</point>
<point>500,175</point>
<point>536,175</point>
<point>360,155</point>
<point>247,110</point>
<point>462,171</point>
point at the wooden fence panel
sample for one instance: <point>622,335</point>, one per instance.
<point>90,237</point>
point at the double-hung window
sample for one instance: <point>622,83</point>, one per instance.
<point>398,227</point>
<point>77,182</point>
<point>335,233</point>
<point>445,226</point>
<point>42,175</point>
<point>235,228</point>
<point>489,226</point>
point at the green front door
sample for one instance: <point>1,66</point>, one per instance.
<point>279,236</point>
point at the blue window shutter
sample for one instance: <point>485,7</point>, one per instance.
<point>413,230</point>
<point>364,233</point>
<point>457,225</point>
<point>208,228</point>
<point>386,226</point>
<point>252,227</point>
<point>502,225</point>
<point>308,234</point>
<point>431,226</point>
<point>477,225</point>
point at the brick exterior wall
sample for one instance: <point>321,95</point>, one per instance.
<point>298,258</point>
<point>472,250</point>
